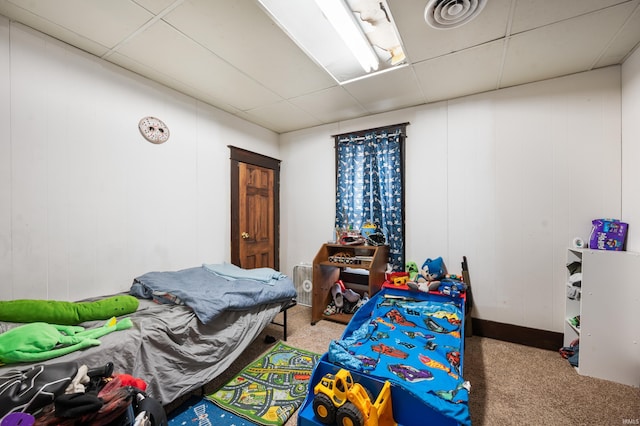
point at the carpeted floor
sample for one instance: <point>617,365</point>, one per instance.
<point>511,384</point>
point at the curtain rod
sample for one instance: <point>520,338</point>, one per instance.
<point>361,138</point>
<point>359,132</point>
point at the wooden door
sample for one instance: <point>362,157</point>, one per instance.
<point>256,216</point>
<point>254,210</point>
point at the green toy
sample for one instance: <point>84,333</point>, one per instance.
<point>40,341</point>
<point>412,268</point>
<point>66,313</point>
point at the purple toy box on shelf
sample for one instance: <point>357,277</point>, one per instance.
<point>608,234</point>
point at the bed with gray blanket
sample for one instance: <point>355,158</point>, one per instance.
<point>189,327</point>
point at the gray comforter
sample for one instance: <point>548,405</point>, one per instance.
<point>169,348</point>
<point>210,294</point>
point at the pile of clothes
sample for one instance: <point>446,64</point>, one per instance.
<point>69,394</point>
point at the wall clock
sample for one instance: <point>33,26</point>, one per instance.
<point>154,130</point>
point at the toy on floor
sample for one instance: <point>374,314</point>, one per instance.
<point>338,399</point>
<point>40,341</point>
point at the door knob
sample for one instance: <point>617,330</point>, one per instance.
<point>245,235</point>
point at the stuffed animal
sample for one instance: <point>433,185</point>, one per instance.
<point>66,313</point>
<point>432,270</point>
<point>428,277</point>
<point>412,268</point>
<point>40,341</point>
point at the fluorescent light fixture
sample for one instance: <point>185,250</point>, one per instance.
<point>350,39</point>
<point>345,25</point>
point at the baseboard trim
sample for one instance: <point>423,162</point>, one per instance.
<point>542,339</point>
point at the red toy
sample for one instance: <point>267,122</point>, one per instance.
<point>129,380</point>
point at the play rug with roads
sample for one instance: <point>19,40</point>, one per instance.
<point>270,389</point>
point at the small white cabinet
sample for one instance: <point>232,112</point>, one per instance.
<point>609,310</point>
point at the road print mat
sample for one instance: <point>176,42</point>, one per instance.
<point>270,389</point>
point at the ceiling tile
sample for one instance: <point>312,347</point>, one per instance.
<point>424,42</point>
<point>532,14</point>
<point>104,22</point>
<point>388,91</point>
<point>330,105</point>
<point>281,117</point>
<point>163,48</point>
<point>157,6</point>
<point>157,76</point>
<point>563,48</point>
<point>249,40</point>
<point>625,41</point>
<point>52,29</point>
<point>462,73</point>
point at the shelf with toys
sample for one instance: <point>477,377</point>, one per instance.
<point>346,272</point>
<point>603,313</point>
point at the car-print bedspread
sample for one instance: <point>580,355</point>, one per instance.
<point>416,341</point>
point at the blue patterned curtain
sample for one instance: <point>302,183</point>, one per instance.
<point>369,187</point>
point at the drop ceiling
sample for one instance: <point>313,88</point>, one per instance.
<point>230,54</point>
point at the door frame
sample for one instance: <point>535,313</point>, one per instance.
<point>239,155</point>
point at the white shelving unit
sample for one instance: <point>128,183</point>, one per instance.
<point>609,309</point>
<point>572,306</point>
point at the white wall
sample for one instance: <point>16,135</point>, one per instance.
<point>5,169</point>
<point>507,178</point>
<point>86,204</point>
<point>631,148</point>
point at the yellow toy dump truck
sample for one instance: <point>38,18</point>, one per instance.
<point>341,401</point>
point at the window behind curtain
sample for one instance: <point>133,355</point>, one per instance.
<point>370,184</point>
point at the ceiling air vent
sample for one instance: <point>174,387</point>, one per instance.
<point>445,14</point>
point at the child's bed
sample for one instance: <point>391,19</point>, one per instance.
<point>178,348</point>
<point>414,340</point>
